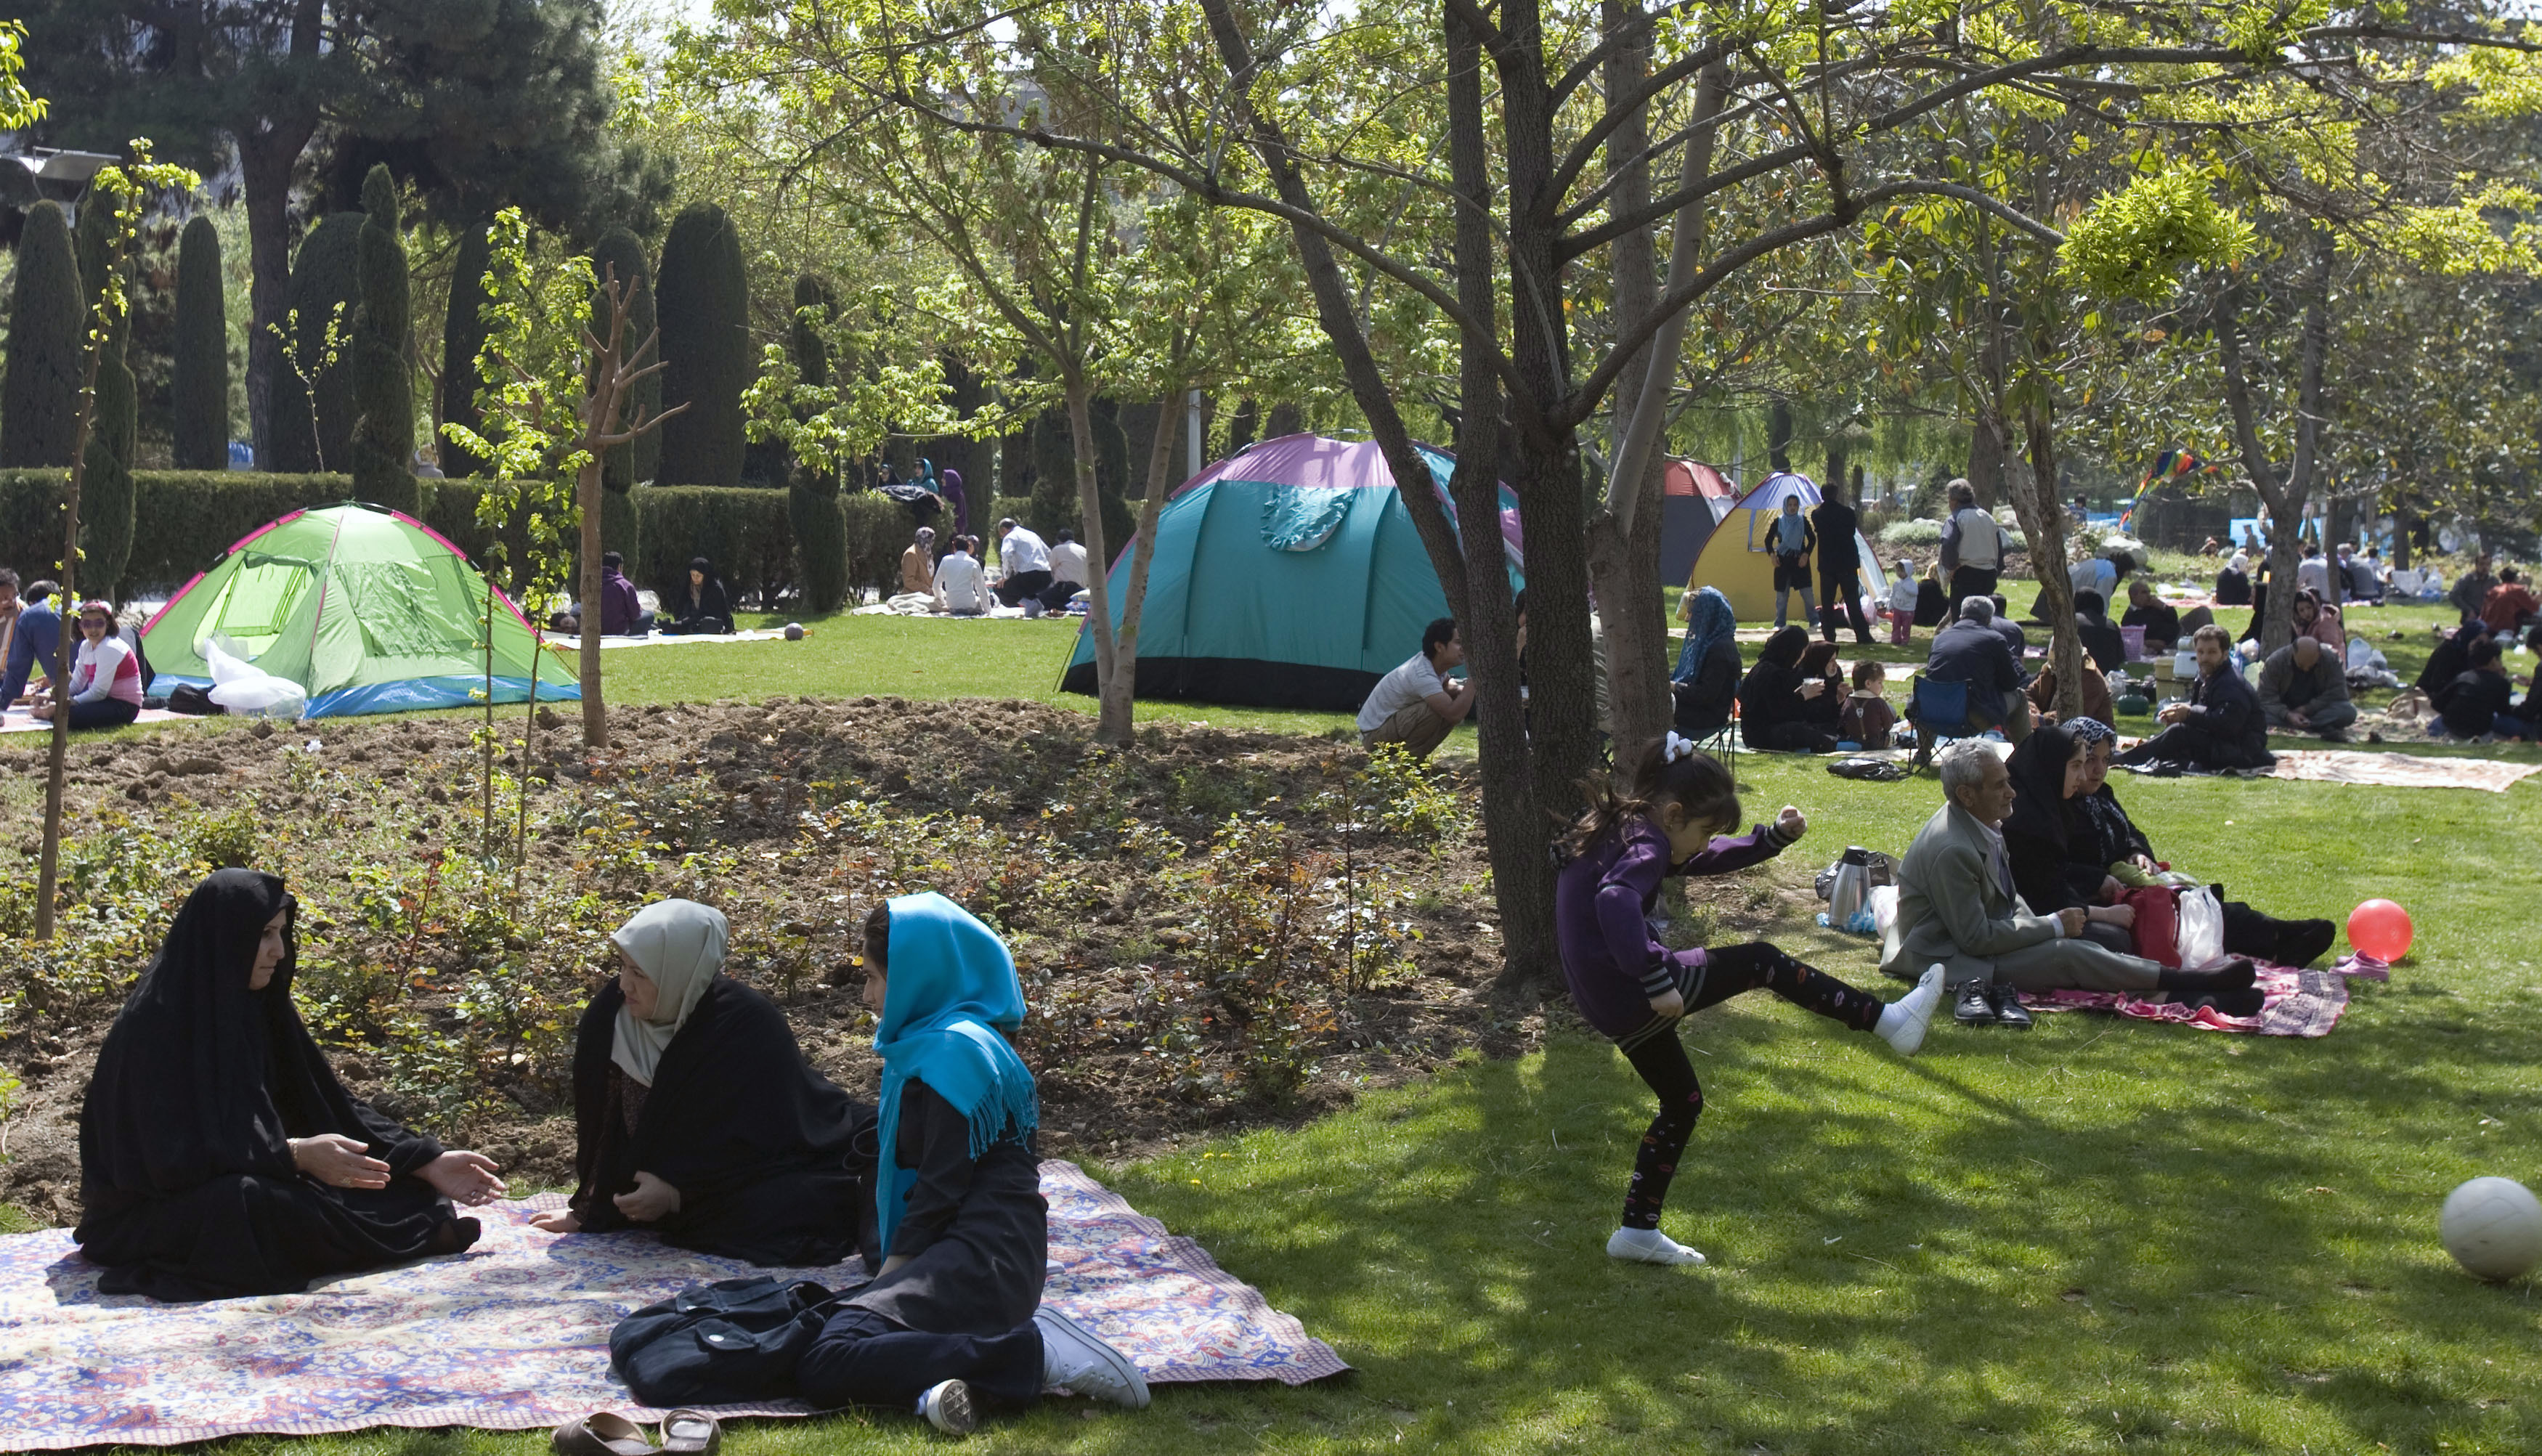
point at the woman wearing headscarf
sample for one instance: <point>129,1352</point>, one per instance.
<point>695,1113</point>
<point>2321,621</point>
<point>2233,583</point>
<point>2047,772</point>
<point>219,1156</point>
<point>960,1234</point>
<point>950,481</point>
<point>1823,708</point>
<point>2101,836</point>
<point>701,607</point>
<point>1773,694</point>
<point>1706,679</point>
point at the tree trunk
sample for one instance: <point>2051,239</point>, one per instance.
<point>1112,723</point>
<point>1513,817</point>
<point>2043,519</point>
<point>49,873</point>
<point>1118,691</point>
<point>586,496</point>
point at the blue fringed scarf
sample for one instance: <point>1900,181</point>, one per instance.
<point>949,990</point>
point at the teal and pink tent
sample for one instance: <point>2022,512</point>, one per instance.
<point>1286,575</point>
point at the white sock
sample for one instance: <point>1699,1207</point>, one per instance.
<point>1902,1021</point>
<point>1649,1245</point>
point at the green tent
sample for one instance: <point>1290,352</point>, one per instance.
<point>370,611</point>
<point>1286,575</point>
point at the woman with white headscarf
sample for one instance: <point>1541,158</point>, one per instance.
<point>2233,583</point>
<point>695,1115</point>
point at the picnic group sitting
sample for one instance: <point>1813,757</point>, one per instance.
<point>107,679</point>
<point>221,1157</point>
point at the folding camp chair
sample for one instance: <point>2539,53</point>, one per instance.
<point>1939,711</point>
<point>1723,743</point>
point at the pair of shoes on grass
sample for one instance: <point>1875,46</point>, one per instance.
<point>1984,1003</point>
<point>684,1432</point>
<point>1072,1357</point>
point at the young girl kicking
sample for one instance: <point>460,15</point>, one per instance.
<point>1634,989</point>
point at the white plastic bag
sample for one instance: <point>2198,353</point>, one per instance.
<point>1883,904</point>
<point>241,686</point>
<point>2201,929</point>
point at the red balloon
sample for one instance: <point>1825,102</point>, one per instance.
<point>2380,929</point>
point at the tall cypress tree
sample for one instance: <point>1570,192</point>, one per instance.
<point>383,384</point>
<point>106,489</point>
<point>326,285</point>
<point>812,496</point>
<point>463,334</point>
<point>704,298</point>
<point>200,380</point>
<point>47,330</point>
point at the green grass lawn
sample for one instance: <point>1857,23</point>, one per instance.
<point>2097,1235</point>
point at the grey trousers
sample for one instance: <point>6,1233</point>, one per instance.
<point>2059,965</point>
<point>2327,716</point>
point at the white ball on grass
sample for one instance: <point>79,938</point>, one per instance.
<point>2492,1226</point>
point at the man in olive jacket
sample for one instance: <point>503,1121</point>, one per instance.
<point>1956,908</point>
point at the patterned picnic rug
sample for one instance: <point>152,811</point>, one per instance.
<point>2300,1003</point>
<point>514,1334</point>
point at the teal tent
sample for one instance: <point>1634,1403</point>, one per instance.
<point>1286,575</point>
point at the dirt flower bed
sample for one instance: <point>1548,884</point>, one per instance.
<point>1216,927</point>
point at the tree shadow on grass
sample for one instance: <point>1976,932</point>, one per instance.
<point>2044,1242</point>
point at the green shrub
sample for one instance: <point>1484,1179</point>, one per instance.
<point>744,532</point>
<point>812,497</point>
<point>876,529</point>
<point>463,335</point>
<point>39,399</point>
<point>105,486</point>
<point>325,286</point>
<point>200,378</point>
<point>381,383</point>
<point>703,296</point>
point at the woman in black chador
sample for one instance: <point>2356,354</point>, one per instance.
<point>218,1154</point>
<point>695,1115</point>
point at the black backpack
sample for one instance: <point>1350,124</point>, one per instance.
<point>724,1343</point>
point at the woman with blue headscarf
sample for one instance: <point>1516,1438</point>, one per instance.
<point>960,1232</point>
<point>1706,679</point>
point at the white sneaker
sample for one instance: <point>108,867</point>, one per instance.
<point>1649,1245</point>
<point>948,1408</point>
<point>1902,1021</point>
<point>1077,1358</point>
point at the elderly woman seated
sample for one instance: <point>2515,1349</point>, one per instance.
<point>695,1115</point>
<point>2071,844</point>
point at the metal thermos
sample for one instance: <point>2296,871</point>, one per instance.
<point>1852,883</point>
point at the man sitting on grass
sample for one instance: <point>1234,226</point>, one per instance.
<point>2159,618</point>
<point>2304,689</point>
<point>1417,704</point>
<point>2219,727</point>
<point>1956,908</point>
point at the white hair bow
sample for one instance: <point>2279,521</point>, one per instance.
<point>1674,748</point>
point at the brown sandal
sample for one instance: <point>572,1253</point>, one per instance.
<point>690,1433</point>
<point>601,1433</point>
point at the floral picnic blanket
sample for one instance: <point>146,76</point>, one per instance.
<point>2299,1004</point>
<point>514,1334</point>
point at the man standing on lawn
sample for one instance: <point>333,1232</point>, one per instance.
<point>1417,704</point>
<point>1839,564</point>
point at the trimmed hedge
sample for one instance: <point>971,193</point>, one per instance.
<point>325,288</point>
<point>200,381</point>
<point>747,534</point>
<point>380,383</point>
<point>186,520</point>
<point>701,295</point>
<point>47,335</point>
